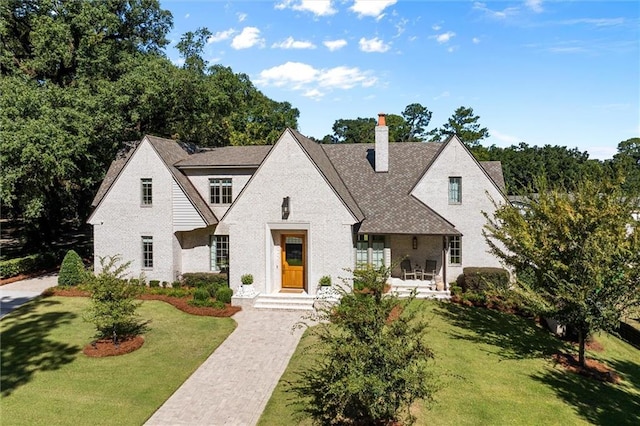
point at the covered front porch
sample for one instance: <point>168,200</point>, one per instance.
<point>417,261</point>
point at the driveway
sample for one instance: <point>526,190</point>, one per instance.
<point>20,292</point>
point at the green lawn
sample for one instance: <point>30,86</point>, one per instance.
<point>495,369</point>
<point>46,380</point>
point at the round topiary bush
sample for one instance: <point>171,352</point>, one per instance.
<point>224,294</point>
<point>72,270</point>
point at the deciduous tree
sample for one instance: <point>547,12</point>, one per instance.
<point>582,249</point>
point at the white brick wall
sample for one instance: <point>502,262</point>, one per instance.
<point>200,179</point>
<point>477,192</point>
<point>120,220</point>
<point>255,221</point>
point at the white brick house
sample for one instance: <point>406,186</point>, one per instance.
<point>296,211</point>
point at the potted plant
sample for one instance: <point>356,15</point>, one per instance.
<point>247,279</point>
<point>325,281</point>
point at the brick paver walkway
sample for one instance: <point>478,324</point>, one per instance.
<point>234,384</point>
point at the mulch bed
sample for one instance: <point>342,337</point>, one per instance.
<point>26,276</point>
<point>178,302</point>
<point>105,347</point>
<point>593,369</point>
<point>183,304</point>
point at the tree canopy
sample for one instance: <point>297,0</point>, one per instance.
<point>80,78</point>
<point>462,124</point>
<point>580,251</point>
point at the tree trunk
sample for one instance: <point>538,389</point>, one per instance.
<point>581,345</point>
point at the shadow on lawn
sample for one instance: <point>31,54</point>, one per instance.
<point>598,402</point>
<point>26,348</point>
<point>517,337</point>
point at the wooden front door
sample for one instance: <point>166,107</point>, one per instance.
<point>293,261</point>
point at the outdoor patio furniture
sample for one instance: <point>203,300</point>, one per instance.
<point>407,270</point>
<point>429,270</point>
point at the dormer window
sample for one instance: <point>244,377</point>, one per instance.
<point>220,191</point>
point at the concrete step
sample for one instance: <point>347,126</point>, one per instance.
<point>422,291</point>
<point>286,301</point>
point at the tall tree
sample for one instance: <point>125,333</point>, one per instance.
<point>359,130</point>
<point>581,248</point>
<point>627,163</point>
<point>464,124</point>
<point>191,47</point>
<point>417,118</point>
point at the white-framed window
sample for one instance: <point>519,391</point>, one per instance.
<point>455,190</point>
<point>146,191</point>
<point>370,250</point>
<point>219,252</point>
<point>220,191</point>
<point>455,250</point>
<point>147,252</point>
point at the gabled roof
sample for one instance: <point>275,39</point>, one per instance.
<point>170,152</point>
<point>385,198</point>
<point>494,170</point>
<point>326,167</point>
<point>227,157</point>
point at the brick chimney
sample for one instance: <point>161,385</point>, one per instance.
<point>382,145</point>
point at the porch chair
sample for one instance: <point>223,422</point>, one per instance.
<point>407,270</point>
<point>429,270</point>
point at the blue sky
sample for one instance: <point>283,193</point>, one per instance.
<point>541,72</point>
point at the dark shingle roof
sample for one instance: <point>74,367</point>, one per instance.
<point>326,167</point>
<point>171,152</point>
<point>385,197</point>
<point>494,170</point>
<point>228,156</point>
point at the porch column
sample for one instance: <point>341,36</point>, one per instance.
<point>387,257</point>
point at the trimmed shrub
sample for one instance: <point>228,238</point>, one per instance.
<point>176,284</point>
<point>203,279</point>
<point>246,279</point>
<point>72,271</point>
<point>201,298</point>
<point>477,279</point>
<point>218,304</point>
<point>224,294</point>
<point>164,284</point>
<point>154,283</point>
<point>27,264</point>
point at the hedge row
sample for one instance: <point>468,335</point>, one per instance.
<point>27,264</point>
<point>477,279</point>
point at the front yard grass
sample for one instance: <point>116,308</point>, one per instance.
<point>46,380</point>
<point>496,369</point>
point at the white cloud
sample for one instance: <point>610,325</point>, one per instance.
<point>444,37</point>
<point>242,17</point>
<point>221,35</point>
<point>475,40</point>
<point>401,26</point>
<point>249,37</point>
<point>371,8</point>
<point>504,138</point>
<point>290,43</point>
<point>373,45</point>
<point>313,94</point>
<point>535,5</point>
<point>293,74</point>
<point>452,49</point>
<point>333,45</point>
<point>497,14</point>
<point>598,22</point>
<point>601,152</point>
<point>300,76</point>
<point>317,7</point>
<point>187,16</point>
<point>436,27</point>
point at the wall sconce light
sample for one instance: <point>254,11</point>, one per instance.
<point>285,208</point>
<point>415,242</point>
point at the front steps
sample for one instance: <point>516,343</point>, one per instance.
<point>424,289</point>
<point>285,301</point>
